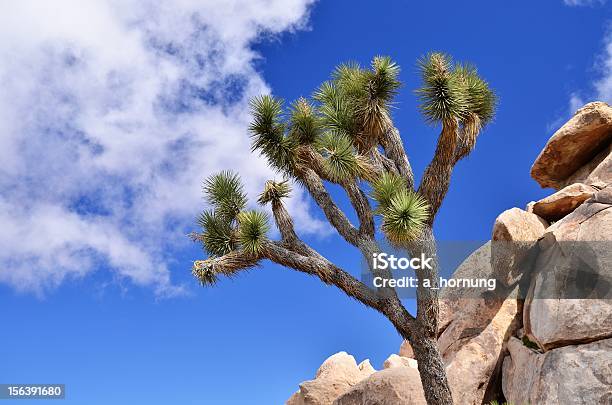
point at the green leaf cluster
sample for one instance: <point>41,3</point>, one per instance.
<point>453,91</point>
<point>404,212</point>
<point>274,191</point>
<point>226,226</point>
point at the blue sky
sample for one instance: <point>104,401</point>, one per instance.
<point>111,116</point>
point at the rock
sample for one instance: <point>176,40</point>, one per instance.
<point>474,329</point>
<point>596,173</point>
<point>569,375</point>
<point>473,357</point>
<point>474,308</point>
<point>337,374</point>
<point>515,232</point>
<point>398,361</point>
<point>570,295</point>
<point>564,201</point>
<point>392,386</point>
<point>406,350</point>
<point>366,368</point>
<point>574,144</point>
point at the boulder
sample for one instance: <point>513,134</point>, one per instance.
<point>570,294</point>
<point>473,357</point>
<point>469,309</point>
<point>406,350</point>
<point>392,386</point>
<point>564,201</point>
<point>398,361</point>
<point>515,232</point>
<point>337,374</point>
<point>596,173</point>
<point>474,327</point>
<point>574,144</point>
<point>569,375</point>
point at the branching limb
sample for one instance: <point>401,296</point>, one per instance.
<point>436,180</point>
<point>334,215</point>
<point>394,149</point>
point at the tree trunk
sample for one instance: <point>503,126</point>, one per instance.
<point>431,368</point>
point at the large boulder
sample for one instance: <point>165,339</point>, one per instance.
<point>568,375</point>
<point>473,309</point>
<point>474,327</point>
<point>587,133</point>
<point>564,201</point>
<point>596,173</point>
<point>399,361</point>
<point>473,357</point>
<point>392,386</point>
<point>337,374</point>
<point>515,232</point>
<point>570,295</point>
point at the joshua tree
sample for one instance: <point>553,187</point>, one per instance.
<point>345,135</point>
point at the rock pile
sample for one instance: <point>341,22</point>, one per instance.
<point>547,338</point>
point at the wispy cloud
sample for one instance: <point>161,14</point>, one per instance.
<point>575,3</point>
<point>600,89</point>
<point>111,113</point>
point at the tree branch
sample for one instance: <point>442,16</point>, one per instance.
<point>436,180</point>
<point>394,149</point>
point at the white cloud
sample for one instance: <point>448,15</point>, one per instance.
<point>601,87</point>
<point>111,113</point>
<point>577,3</point>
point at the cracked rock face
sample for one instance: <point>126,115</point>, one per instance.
<point>569,296</point>
<point>568,375</point>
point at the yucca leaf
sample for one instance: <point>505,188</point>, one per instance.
<point>216,234</point>
<point>442,96</point>
<point>341,162</point>
<point>252,231</point>
<point>274,191</point>
<point>268,133</point>
<point>405,217</point>
<point>305,125</point>
<point>385,187</point>
<point>225,193</point>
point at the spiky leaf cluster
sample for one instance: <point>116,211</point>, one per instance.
<point>340,160</point>
<point>356,102</point>
<point>405,217</point>
<point>453,91</point>
<point>404,212</point>
<point>274,191</point>
<point>305,125</point>
<point>385,188</point>
<point>252,231</point>
<point>217,238</point>
<point>268,133</point>
<point>225,194</point>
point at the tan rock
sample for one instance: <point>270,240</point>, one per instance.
<point>568,375</point>
<point>366,368</point>
<point>569,299</point>
<point>596,173</point>
<point>475,328</point>
<point>574,144</point>
<point>473,357</point>
<point>515,232</point>
<point>398,361</point>
<point>469,308</point>
<point>337,374</point>
<point>406,350</point>
<point>392,386</point>
<point>564,201</point>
